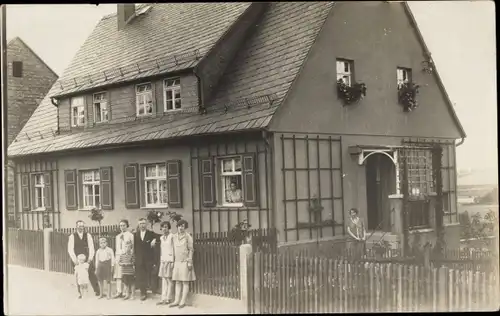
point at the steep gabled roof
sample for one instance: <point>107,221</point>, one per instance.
<point>435,72</point>
<point>261,72</point>
<point>23,43</point>
<point>168,37</point>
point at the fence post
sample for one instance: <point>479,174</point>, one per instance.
<point>46,248</point>
<point>245,251</point>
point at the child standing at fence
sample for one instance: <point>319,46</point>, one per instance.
<point>104,261</point>
<point>127,262</point>
<point>166,264</point>
<point>82,275</point>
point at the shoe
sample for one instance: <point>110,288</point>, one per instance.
<point>162,303</point>
<point>173,305</point>
<point>97,293</point>
<point>182,306</point>
<point>126,298</point>
<point>118,295</point>
<point>101,297</point>
<point>143,297</point>
<point>79,296</point>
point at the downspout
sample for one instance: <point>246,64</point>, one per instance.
<point>57,106</point>
<point>201,105</point>
<point>460,142</point>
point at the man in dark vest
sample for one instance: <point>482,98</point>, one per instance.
<point>81,242</point>
<point>144,242</point>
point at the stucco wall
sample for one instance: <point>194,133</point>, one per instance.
<point>378,37</point>
<point>117,159</point>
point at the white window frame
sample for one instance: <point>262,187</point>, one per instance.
<point>343,73</point>
<point>95,181</point>
<point>173,89</point>
<point>403,76</point>
<point>156,178</point>
<point>103,107</point>
<point>77,120</point>
<point>39,187</point>
<point>232,173</point>
<point>142,95</point>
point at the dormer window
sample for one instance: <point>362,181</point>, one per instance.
<point>172,94</point>
<point>344,71</point>
<point>144,99</point>
<point>100,107</point>
<point>403,76</point>
<point>77,112</point>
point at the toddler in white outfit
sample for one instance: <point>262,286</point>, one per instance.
<point>82,274</point>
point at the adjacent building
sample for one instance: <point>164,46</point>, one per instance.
<point>229,111</point>
<point>29,80</point>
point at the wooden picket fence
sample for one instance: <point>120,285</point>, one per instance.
<point>25,248</point>
<point>264,239</point>
<point>94,230</point>
<point>217,268</point>
<point>286,284</point>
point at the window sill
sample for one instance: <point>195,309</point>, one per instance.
<point>171,111</point>
<point>152,207</point>
<point>40,209</point>
<point>421,230</point>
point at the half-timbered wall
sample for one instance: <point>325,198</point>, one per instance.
<point>308,167</point>
<point>212,216</point>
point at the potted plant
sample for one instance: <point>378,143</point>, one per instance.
<point>350,94</point>
<point>407,96</point>
<point>240,233</point>
<point>97,215</point>
<point>154,217</point>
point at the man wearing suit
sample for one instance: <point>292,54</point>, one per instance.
<point>144,242</point>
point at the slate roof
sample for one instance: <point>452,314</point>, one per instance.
<point>267,64</point>
<point>173,36</point>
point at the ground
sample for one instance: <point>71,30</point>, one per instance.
<point>37,292</point>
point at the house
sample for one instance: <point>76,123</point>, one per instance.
<point>231,111</point>
<point>29,80</point>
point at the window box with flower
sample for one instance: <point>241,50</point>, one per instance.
<point>407,96</point>
<point>350,93</point>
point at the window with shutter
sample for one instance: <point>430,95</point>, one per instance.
<point>249,181</point>
<point>49,197</point>
<point>106,174</point>
<point>207,182</point>
<point>71,190</point>
<point>25,192</point>
<point>174,183</point>
<point>131,186</point>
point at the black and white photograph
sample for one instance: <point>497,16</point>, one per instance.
<point>249,157</point>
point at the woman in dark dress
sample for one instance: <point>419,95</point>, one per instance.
<point>357,234</point>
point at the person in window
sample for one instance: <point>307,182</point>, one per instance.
<point>234,194</point>
<point>357,234</point>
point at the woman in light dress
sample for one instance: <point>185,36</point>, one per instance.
<point>121,240</point>
<point>183,271</point>
<point>166,264</point>
<point>357,234</point>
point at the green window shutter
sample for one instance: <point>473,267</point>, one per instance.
<point>249,181</point>
<point>71,190</point>
<point>106,187</point>
<point>174,183</point>
<point>131,186</point>
<point>207,182</point>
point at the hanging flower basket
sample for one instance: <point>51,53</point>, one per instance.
<point>96,215</point>
<point>407,96</point>
<point>350,94</point>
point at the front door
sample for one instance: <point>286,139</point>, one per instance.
<point>380,183</point>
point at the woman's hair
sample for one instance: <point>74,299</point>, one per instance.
<point>355,210</point>
<point>182,222</point>
<point>165,223</point>
<point>124,221</point>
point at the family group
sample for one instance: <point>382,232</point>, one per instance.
<point>132,263</point>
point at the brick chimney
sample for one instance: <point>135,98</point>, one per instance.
<point>125,12</point>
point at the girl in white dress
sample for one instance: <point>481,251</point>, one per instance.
<point>166,264</point>
<point>82,275</point>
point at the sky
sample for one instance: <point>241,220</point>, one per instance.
<point>459,34</point>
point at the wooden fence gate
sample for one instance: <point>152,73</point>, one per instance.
<point>25,248</point>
